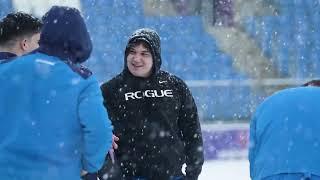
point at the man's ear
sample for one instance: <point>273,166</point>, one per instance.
<point>24,44</point>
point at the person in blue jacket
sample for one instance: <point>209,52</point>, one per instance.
<point>285,135</point>
<point>53,123</point>
<point>19,35</point>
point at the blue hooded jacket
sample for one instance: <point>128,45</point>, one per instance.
<point>285,134</point>
<point>53,120</point>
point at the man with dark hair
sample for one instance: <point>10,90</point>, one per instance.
<point>284,135</point>
<point>154,115</point>
<point>19,35</point>
<point>51,109</point>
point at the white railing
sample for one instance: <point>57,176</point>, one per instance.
<point>248,82</point>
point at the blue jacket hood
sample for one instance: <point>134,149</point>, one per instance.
<point>65,35</point>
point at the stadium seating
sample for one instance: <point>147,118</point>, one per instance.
<point>290,39</point>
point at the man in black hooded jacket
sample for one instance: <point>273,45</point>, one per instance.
<point>154,115</point>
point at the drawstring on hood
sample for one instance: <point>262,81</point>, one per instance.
<point>152,38</point>
<point>64,34</point>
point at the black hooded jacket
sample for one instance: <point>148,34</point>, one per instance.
<point>155,118</point>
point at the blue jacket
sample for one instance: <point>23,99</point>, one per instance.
<point>285,134</point>
<point>6,56</point>
<point>53,120</point>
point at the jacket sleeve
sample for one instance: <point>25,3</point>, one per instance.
<point>252,145</point>
<point>96,127</point>
<point>191,134</point>
<point>254,139</point>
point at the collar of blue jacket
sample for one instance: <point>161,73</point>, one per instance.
<point>6,56</point>
<point>65,35</point>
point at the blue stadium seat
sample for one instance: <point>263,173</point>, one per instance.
<point>266,34</point>
<point>128,8</point>
<point>250,26</point>
<point>284,44</point>
<point>295,31</point>
<point>97,11</point>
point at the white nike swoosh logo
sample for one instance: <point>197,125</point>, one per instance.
<point>160,82</point>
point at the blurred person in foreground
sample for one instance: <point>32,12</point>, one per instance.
<point>154,115</point>
<point>285,136</point>
<point>53,121</point>
<point>19,35</point>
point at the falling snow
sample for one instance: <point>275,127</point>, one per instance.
<point>231,54</point>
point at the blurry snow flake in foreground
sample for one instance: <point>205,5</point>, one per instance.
<point>16,79</point>
<point>53,93</point>
<point>55,21</point>
<point>75,81</point>
<point>76,151</point>
<point>162,133</point>
<point>290,144</point>
<point>61,144</point>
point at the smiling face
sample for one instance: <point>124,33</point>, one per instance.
<point>139,60</point>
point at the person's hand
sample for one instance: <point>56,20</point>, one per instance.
<point>83,173</point>
<point>111,154</point>
<point>114,144</point>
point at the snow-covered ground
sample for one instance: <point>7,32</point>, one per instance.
<point>225,170</point>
